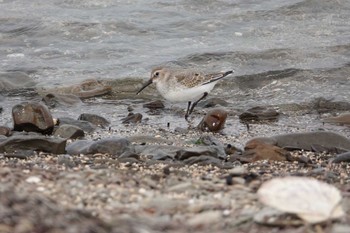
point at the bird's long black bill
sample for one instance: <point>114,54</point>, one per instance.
<point>149,82</point>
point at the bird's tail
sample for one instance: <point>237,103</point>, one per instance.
<point>216,77</point>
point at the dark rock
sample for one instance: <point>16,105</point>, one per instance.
<point>255,150</point>
<point>84,125</point>
<point>306,141</point>
<point>111,146</point>
<point>323,105</point>
<point>34,143</point>
<point>94,119</point>
<point>130,154</point>
<point>344,157</point>
<point>132,118</point>
<point>69,131</point>
<point>322,140</point>
<point>204,160</point>
<point>257,114</point>
<point>212,151</point>
<point>79,147</point>
<point>157,152</point>
<point>5,131</point>
<point>146,139</point>
<point>32,116</point>
<point>212,102</point>
<point>158,104</point>
<point>55,100</point>
<point>214,120</point>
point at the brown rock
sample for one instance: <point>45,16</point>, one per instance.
<point>87,89</point>
<point>343,119</point>
<point>158,104</point>
<point>259,114</point>
<point>214,120</point>
<point>5,131</point>
<point>32,117</point>
<point>258,150</point>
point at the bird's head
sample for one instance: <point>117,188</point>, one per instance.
<point>156,75</point>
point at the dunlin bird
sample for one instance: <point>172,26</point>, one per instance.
<point>184,86</point>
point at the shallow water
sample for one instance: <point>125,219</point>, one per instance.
<point>282,51</point>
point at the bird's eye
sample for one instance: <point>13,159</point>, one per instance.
<point>156,74</point>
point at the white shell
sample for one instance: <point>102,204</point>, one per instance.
<point>312,200</point>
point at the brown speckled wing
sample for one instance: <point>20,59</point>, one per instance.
<point>191,79</point>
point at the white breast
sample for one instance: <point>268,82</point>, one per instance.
<point>175,93</point>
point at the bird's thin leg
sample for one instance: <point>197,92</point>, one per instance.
<point>188,110</point>
<point>195,103</point>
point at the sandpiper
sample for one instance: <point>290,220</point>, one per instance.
<point>184,86</point>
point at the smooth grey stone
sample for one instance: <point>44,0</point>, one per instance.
<point>344,157</point>
<point>321,140</point>
<point>94,119</point>
<point>32,142</point>
<point>69,131</point>
<point>84,125</point>
<point>203,160</point>
<point>213,151</point>
<point>112,146</point>
<point>160,152</point>
<point>306,141</point>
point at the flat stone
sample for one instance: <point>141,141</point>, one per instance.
<point>212,151</point>
<point>344,157</point>
<point>84,125</point>
<point>112,146</point>
<point>327,105</point>
<point>69,131</point>
<point>94,119</point>
<point>321,140</point>
<point>305,141</point>
<point>204,160</point>
<point>259,114</point>
<point>158,152</point>
<point>35,143</point>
